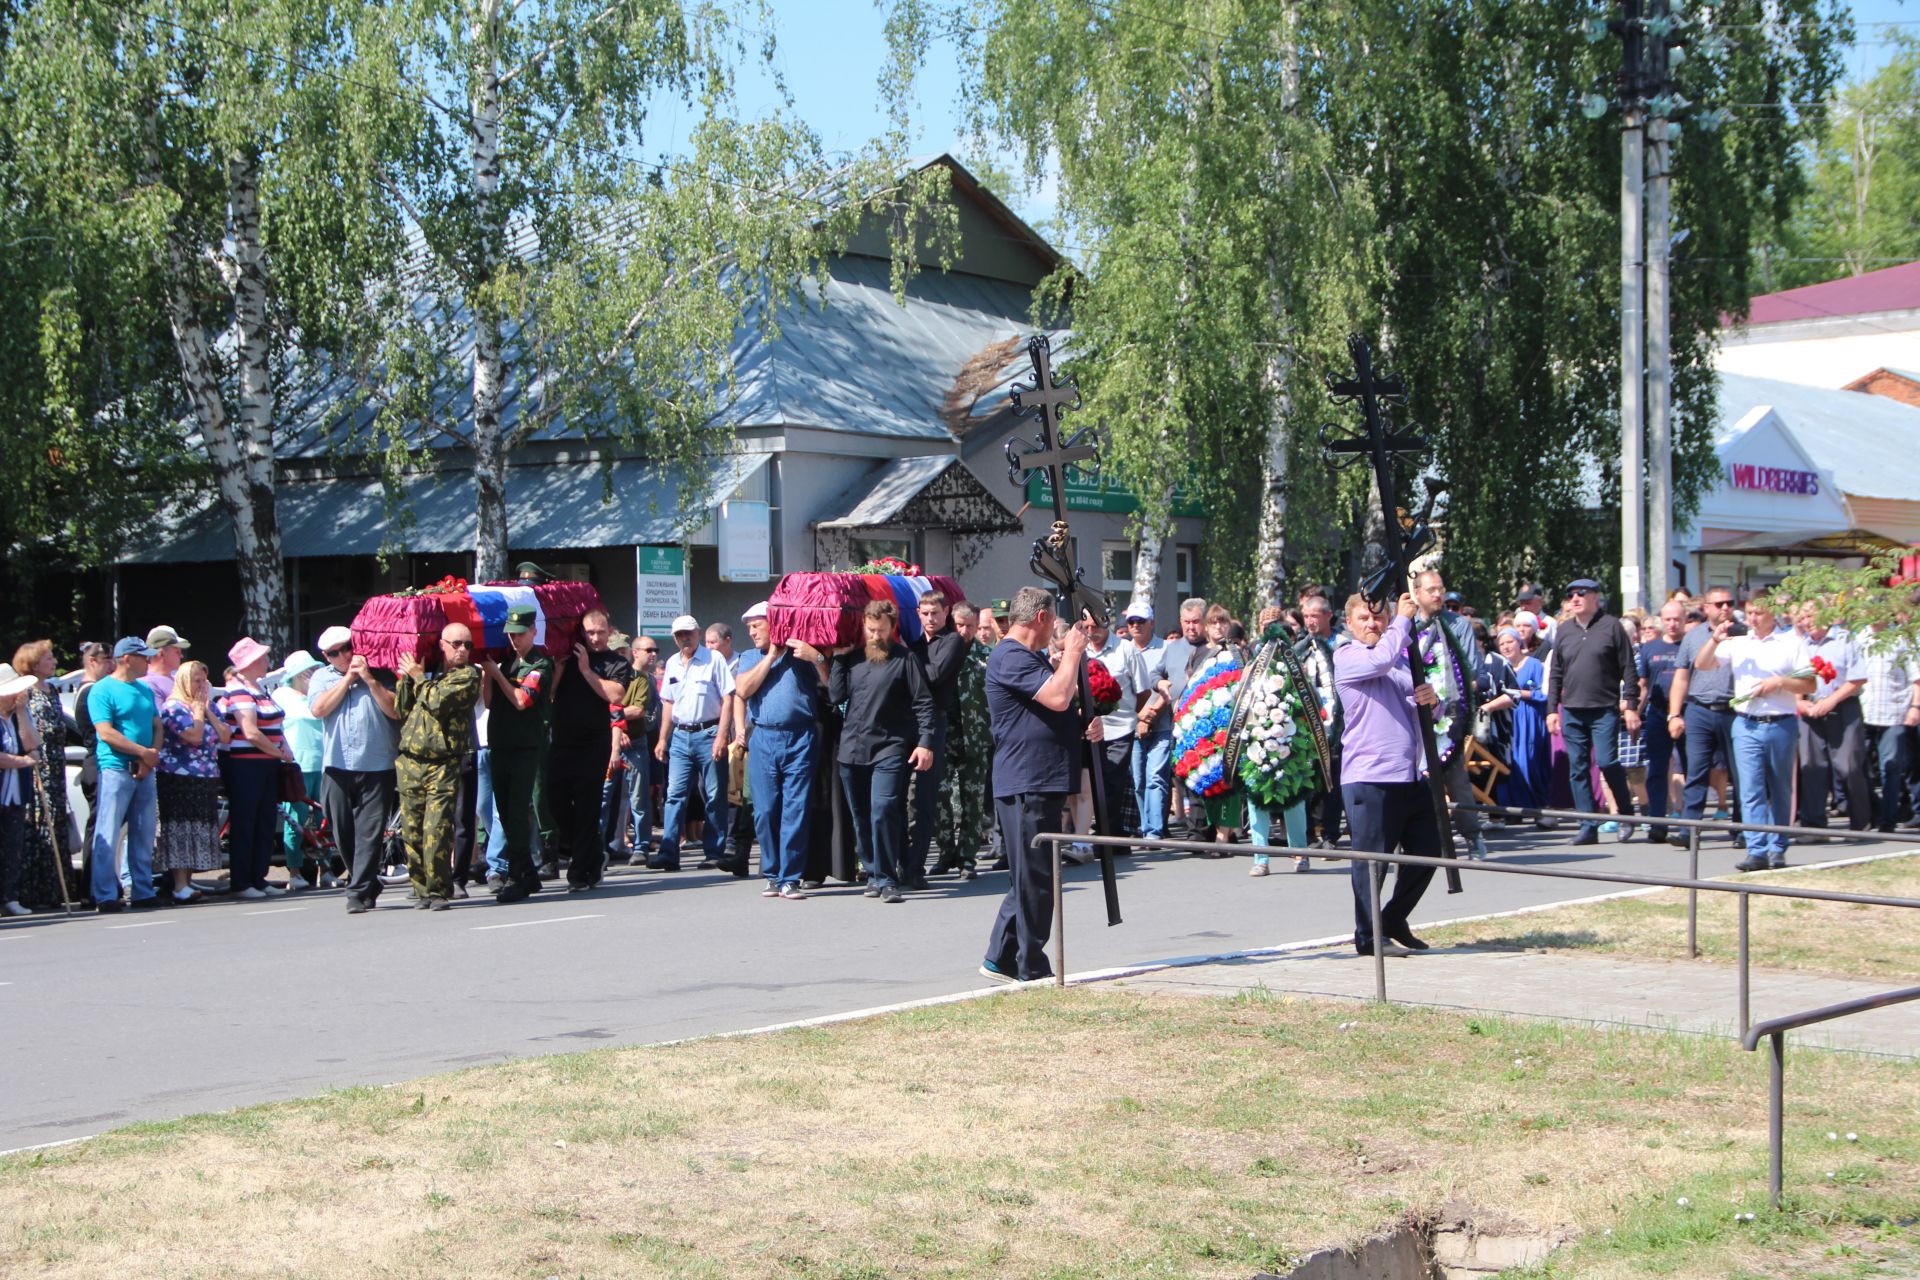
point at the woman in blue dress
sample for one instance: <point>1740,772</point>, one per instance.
<point>1529,762</point>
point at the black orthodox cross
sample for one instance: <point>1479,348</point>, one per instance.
<point>1053,557</point>
<point>1407,538</point>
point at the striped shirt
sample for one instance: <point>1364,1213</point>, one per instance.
<point>267,713</point>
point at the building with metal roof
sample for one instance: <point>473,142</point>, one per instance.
<point>866,427</point>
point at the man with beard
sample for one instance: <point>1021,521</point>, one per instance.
<point>1445,639</point>
<point>890,728</point>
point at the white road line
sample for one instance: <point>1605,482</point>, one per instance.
<point>144,924</point>
<point>521,924</point>
<point>276,911</point>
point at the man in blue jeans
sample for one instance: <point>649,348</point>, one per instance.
<point>779,686</point>
<point>1766,726</point>
<point>888,733</point>
<point>696,690</point>
<point>1153,738</point>
<point>126,726</point>
<point>1595,688</point>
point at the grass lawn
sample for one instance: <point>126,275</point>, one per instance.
<point>1037,1134</point>
<point>1879,943</point>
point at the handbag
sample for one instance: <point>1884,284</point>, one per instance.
<point>293,784</point>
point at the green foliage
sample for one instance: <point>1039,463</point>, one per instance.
<point>1436,186</point>
<point>1861,208</point>
<point>1876,595</point>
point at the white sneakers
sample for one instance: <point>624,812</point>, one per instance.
<point>251,895</point>
<point>15,909</point>
<point>295,884</point>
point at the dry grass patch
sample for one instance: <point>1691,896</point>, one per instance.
<point>1042,1134</point>
<point>1839,939</point>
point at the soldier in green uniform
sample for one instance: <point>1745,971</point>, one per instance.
<point>436,731</point>
<point>517,694</point>
<point>961,827</point>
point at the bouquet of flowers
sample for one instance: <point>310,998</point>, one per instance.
<point>1443,675</point>
<point>1276,751</point>
<point>1200,725</point>
<point>891,566</point>
<point>1105,689</point>
<point>1819,667</point>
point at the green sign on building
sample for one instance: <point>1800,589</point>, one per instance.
<point>1092,493</point>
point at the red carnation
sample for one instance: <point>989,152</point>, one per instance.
<point>1824,669</point>
<point>1104,688</point>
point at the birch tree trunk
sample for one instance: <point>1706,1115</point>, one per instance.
<point>489,443</point>
<point>1270,558</point>
<point>1147,556</point>
<point>239,447</point>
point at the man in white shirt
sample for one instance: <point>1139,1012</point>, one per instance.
<point>696,689</point>
<point>1890,705</point>
<point>1124,663</point>
<point>1766,728</point>
<point>1152,730</point>
<point>1833,740</point>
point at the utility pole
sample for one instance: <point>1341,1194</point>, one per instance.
<point>1632,309</point>
<point>1659,313</point>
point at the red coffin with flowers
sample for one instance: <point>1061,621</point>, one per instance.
<point>388,627</point>
<point>824,609</point>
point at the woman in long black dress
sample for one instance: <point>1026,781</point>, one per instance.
<point>46,853</point>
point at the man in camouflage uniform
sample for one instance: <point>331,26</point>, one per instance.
<point>436,730</point>
<point>961,826</point>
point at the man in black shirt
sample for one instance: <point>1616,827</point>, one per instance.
<point>1036,766</point>
<point>942,649</point>
<point>1589,698</point>
<point>889,729</point>
<point>588,688</point>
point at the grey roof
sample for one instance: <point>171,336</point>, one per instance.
<point>548,505</point>
<point>1870,443</point>
<point>876,499</point>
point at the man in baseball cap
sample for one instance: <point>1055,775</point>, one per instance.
<point>359,748</point>
<point>126,725</point>
<point>696,695</point>
<point>169,648</point>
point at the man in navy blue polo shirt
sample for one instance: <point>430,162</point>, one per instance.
<point>1036,766</point>
<point>780,686</point>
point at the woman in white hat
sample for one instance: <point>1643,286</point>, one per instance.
<point>251,769</point>
<point>303,732</point>
<point>19,754</point>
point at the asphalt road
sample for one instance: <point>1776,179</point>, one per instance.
<point>152,1015</point>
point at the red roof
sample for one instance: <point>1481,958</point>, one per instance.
<point>1889,289</point>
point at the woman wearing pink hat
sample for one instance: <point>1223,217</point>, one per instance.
<point>250,767</point>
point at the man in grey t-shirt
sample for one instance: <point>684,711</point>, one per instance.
<point>1698,712</point>
<point>1173,684</point>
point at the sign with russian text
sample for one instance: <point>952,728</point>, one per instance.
<point>1091,493</point>
<point>661,579</point>
<point>1747,475</point>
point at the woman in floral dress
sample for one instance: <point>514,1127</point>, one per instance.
<point>188,783</point>
<point>46,852</point>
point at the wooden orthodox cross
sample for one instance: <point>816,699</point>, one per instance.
<point>1407,538</point>
<point>1053,555</point>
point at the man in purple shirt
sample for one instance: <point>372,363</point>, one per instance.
<point>1388,810</point>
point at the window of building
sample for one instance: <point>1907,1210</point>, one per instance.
<point>1184,560</point>
<point>1116,569</point>
<point>867,550</point>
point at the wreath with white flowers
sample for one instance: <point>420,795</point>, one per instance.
<point>1278,750</point>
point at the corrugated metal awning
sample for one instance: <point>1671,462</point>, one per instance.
<point>551,505</point>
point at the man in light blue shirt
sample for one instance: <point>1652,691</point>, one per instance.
<point>358,719</point>
<point>779,688</point>
<point>1152,733</point>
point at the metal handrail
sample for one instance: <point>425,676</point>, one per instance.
<point>1708,824</point>
<point>1774,1032</point>
<point>1774,1029</point>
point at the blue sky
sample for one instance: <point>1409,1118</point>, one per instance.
<point>831,52</point>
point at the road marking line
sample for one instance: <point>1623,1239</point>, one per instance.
<point>144,924</point>
<point>521,924</point>
<point>276,911</point>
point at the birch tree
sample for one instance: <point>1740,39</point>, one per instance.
<point>232,151</point>
<point>601,286</point>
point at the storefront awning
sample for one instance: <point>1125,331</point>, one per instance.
<point>549,506</point>
<point>1839,544</point>
<point>932,492</point>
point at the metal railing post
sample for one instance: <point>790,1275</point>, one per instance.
<point>1060,923</point>
<point>1776,1109</point>
<point>1376,876</point>
<point>1693,895</point>
<point>1746,1014</point>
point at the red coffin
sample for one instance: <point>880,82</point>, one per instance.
<point>388,627</point>
<point>824,609</point>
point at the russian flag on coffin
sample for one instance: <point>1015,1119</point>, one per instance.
<point>389,626</point>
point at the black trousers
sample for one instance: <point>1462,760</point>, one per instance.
<point>358,804</point>
<point>1835,744</point>
<point>1326,809</point>
<point>1390,817</point>
<point>1116,770</point>
<point>466,803</point>
<point>1018,943</point>
<point>574,778</point>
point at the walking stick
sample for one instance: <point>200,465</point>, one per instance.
<point>53,841</point>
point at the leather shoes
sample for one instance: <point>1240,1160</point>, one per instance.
<point>1587,836</point>
<point>517,890</point>
<point>1750,864</point>
<point>1386,949</point>
<point>1406,938</point>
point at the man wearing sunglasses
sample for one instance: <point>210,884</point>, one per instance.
<point>1593,692</point>
<point>436,732</point>
<point>357,752</point>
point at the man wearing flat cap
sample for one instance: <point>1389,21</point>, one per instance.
<point>1593,693</point>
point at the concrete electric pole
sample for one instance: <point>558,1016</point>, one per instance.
<point>1660,55</point>
<point>1632,308</point>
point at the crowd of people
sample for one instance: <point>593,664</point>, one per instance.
<point>870,763</point>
